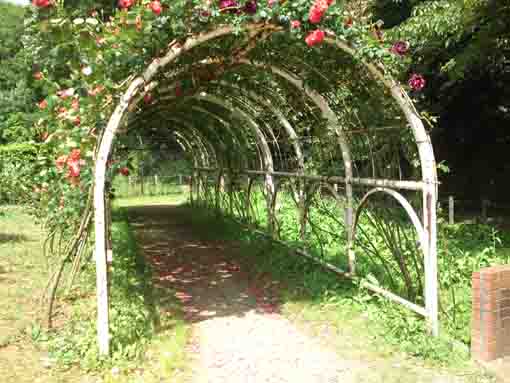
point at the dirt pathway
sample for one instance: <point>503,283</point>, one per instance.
<point>239,334</point>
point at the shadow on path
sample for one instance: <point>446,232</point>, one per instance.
<point>203,273</point>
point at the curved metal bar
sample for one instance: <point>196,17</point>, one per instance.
<point>220,140</point>
<point>422,237</point>
<point>333,123</point>
<point>226,125</point>
<point>293,137</point>
<point>264,147</point>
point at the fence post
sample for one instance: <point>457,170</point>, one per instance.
<point>156,184</point>
<point>180,179</point>
<point>451,210</point>
<point>485,205</point>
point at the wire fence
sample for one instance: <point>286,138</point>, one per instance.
<point>136,186</point>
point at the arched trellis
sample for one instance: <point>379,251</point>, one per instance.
<point>427,186</point>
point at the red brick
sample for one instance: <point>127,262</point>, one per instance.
<point>485,356</point>
<point>490,319</point>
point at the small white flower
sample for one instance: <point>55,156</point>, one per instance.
<point>87,70</point>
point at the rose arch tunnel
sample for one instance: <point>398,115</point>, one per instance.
<point>272,126</point>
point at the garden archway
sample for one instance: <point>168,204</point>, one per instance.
<point>205,106</point>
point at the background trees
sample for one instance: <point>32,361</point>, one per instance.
<point>16,95</point>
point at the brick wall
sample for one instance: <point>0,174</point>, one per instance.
<point>490,321</point>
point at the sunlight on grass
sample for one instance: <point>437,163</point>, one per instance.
<point>172,199</point>
<point>22,272</point>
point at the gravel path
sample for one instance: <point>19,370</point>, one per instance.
<point>239,335</point>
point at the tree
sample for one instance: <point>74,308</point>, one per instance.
<point>16,95</point>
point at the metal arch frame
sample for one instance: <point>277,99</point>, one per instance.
<point>264,150</point>
<point>405,204</point>
<point>333,123</point>
<point>161,110</point>
<point>291,133</point>
<point>227,106</point>
<point>422,237</point>
<point>241,116</point>
<point>429,176</point>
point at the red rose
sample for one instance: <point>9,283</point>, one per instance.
<point>321,5</point>
<point>178,90</point>
<point>77,121</point>
<point>124,171</point>
<point>61,111</point>
<point>74,168</point>
<point>38,76</point>
<point>60,162</point>
<point>315,37</point>
<point>417,82</point>
<point>295,24</point>
<point>156,7</point>
<point>65,93</point>
<point>75,155</point>
<point>147,98</point>
<point>318,10</point>
<point>41,3</point>
<point>315,16</point>
<point>400,48</point>
<point>348,22</point>
<point>43,104</point>
<point>125,4</point>
<point>97,89</point>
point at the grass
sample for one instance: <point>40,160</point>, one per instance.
<point>148,332</point>
<point>171,199</point>
<point>20,273</point>
<point>23,274</point>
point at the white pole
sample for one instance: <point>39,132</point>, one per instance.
<point>451,210</point>
<point>485,204</point>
